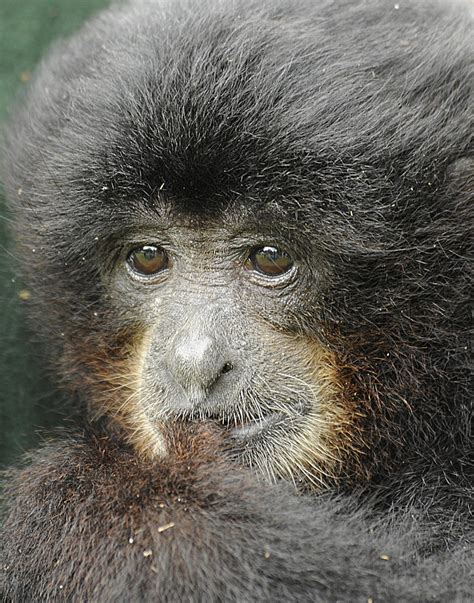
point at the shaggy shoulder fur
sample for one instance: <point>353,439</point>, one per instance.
<point>108,527</point>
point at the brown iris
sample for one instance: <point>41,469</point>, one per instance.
<point>270,261</point>
<point>148,260</point>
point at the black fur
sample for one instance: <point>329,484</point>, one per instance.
<point>97,513</point>
<point>356,118</point>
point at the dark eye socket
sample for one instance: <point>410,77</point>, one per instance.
<point>270,261</point>
<point>148,260</point>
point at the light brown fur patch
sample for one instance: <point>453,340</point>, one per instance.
<point>317,452</point>
<point>113,378</point>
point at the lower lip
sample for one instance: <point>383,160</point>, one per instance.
<point>250,430</point>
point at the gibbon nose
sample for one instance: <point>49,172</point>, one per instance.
<point>197,364</point>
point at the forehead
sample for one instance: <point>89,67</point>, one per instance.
<point>235,217</point>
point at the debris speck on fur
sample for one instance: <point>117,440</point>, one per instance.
<point>24,295</point>
<point>167,526</point>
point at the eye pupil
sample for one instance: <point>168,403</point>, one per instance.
<point>270,261</point>
<point>148,260</point>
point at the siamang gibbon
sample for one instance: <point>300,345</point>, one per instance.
<point>245,227</point>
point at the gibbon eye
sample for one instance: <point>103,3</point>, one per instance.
<point>270,261</point>
<point>148,260</point>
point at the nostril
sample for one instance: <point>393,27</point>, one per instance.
<point>228,366</point>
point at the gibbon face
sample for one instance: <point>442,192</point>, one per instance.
<point>239,217</point>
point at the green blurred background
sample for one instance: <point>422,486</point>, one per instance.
<point>29,405</point>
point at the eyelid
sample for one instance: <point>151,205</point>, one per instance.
<point>139,273</point>
<point>257,272</point>
<point>117,247</point>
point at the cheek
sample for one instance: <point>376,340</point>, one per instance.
<point>111,377</point>
<point>318,449</point>
<point>329,423</point>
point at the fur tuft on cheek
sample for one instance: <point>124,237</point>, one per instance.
<point>316,452</point>
<point>111,377</point>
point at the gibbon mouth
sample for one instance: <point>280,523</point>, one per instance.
<point>241,427</point>
<point>238,427</point>
<point>253,427</point>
